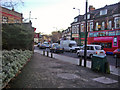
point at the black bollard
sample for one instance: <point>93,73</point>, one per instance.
<point>116,61</point>
<point>43,53</point>
<point>80,61</point>
<point>47,53</point>
<point>51,55</point>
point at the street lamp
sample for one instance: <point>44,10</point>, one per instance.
<point>29,17</point>
<point>79,25</point>
<point>85,49</point>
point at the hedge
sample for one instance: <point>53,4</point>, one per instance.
<point>17,36</point>
<point>12,62</point>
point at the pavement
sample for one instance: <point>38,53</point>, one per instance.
<point>113,69</point>
<point>46,72</point>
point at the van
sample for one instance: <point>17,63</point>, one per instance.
<point>69,45</point>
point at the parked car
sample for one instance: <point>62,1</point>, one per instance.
<point>116,53</point>
<point>56,48</point>
<point>46,44</point>
<point>42,46</point>
<point>38,44</point>
<point>91,49</point>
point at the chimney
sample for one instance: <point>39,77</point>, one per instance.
<point>91,8</point>
<point>12,9</point>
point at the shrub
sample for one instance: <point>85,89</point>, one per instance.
<point>12,62</point>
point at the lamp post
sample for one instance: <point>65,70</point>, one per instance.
<point>79,25</point>
<point>29,17</point>
<point>85,49</point>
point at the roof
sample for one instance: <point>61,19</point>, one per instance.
<point>111,9</point>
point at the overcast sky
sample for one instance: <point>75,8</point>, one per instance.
<point>57,14</point>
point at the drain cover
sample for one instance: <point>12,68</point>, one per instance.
<point>105,80</point>
<point>68,76</point>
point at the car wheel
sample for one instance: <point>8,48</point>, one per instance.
<point>115,55</point>
<point>91,56</point>
<point>71,51</point>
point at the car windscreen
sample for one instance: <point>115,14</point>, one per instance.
<point>97,47</point>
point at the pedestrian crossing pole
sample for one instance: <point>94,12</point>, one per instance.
<point>85,49</point>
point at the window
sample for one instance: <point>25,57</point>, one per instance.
<point>102,44</point>
<point>96,34</point>
<point>101,33</point>
<point>82,28</point>
<point>107,33</point>
<point>88,16</point>
<point>111,33</point>
<point>91,26</point>
<point>117,22</point>
<point>96,26</point>
<point>90,34</point>
<point>97,47</point>
<point>103,26</point>
<point>5,19</point>
<point>103,12</point>
<point>115,41</point>
<point>109,45</point>
<point>77,28</point>
<point>118,32</point>
<point>110,25</point>
<point>73,29</point>
<point>76,20</point>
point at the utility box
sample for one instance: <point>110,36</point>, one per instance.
<point>99,63</point>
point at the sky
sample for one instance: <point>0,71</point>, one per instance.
<point>54,15</point>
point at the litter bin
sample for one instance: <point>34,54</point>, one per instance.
<point>99,63</point>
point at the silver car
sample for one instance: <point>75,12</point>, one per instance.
<point>91,49</point>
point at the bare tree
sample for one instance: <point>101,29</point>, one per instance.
<point>11,3</point>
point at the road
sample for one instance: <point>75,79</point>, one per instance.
<point>110,58</point>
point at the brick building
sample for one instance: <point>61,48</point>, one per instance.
<point>105,18</point>
<point>10,16</point>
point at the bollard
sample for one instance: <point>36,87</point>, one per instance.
<point>80,61</point>
<point>116,61</point>
<point>47,53</point>
<point>51,55</point>
<point>43,53</point>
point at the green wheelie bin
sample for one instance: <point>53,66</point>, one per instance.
<point>100,64</point>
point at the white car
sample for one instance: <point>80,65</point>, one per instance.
<point>91,49</point>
